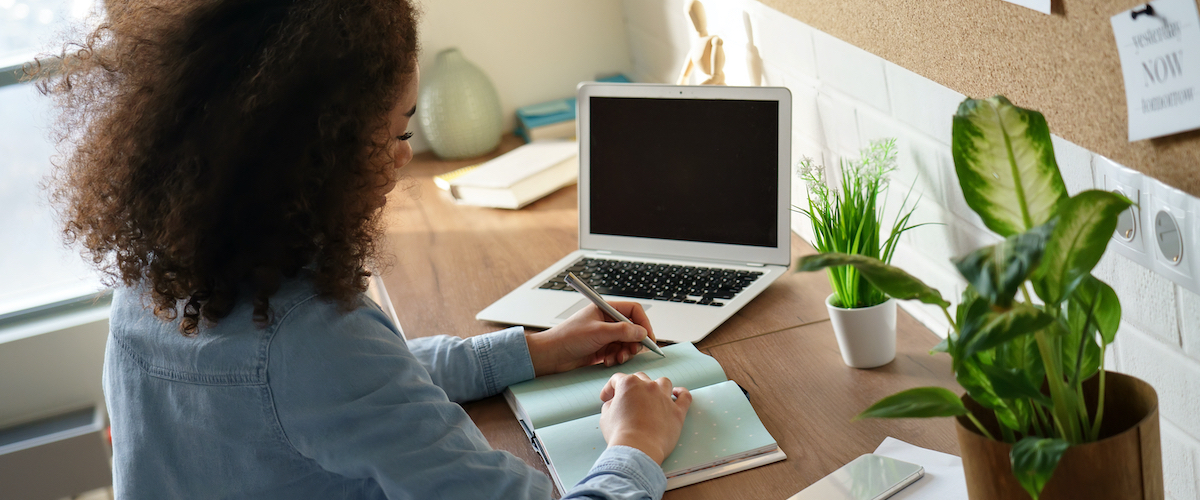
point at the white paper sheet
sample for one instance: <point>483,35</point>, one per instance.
<point>943,479</point>
<point>1161,66</point>
<point>1042,6</point>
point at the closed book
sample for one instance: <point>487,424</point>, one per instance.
<point>721,435</point>
<point>443,181</point>
<point>553,119</point>
<point>519,177</point>
<point>547,120</point>
<point>560,130</point>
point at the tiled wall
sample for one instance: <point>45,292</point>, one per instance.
<point>844,97</point>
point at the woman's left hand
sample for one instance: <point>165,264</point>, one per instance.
<point>589,337</point>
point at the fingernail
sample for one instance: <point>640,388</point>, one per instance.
<point>624,357</point>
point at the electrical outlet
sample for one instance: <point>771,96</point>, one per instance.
<point>1169,217</point>
<point>1130,239</point>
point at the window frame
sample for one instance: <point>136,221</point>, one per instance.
<point>13,74</point>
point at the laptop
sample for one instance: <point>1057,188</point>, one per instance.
<point>684,199</point>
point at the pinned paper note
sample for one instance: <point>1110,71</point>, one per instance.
<point>1042,6</point>
<point>1159,44</point>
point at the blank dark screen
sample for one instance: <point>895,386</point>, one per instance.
<point>685,169</point>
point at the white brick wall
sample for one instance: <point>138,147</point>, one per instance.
<point>845,97</point>
<point>1179,456</point>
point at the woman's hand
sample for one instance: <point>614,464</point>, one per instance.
<point>588,337</point>
<point>640,413</point>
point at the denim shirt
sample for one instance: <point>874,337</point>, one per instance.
<point>321,403</point>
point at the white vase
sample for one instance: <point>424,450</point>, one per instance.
<point>458,108</point>
<point>866,336</point>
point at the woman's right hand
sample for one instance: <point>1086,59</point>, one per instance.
<point>640,413</point>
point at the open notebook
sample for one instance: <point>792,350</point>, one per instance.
<point>721,434</point>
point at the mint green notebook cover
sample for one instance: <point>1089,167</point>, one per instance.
<point>721,426</point>
<point>570,395</point>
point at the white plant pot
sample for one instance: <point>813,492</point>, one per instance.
<point>866,336</point>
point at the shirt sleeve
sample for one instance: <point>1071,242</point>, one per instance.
<point>475,368</point>
<point>621,473</point>
<point>349,395</point>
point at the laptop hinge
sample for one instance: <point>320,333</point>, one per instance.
<point>604,252</point>
<point>754,264</point>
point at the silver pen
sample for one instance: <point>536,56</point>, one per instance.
<point>587,291</point>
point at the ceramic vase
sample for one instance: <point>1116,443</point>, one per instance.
<point>458,108</point>
<point>1125,464</point>
<point>866,336</point>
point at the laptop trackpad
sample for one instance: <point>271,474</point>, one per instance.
<point>583,303</point>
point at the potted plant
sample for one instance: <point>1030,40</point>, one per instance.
<point>848,219</point>
<point>1038,404</point>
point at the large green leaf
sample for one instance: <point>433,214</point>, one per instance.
<point>1024,409</point>
<point>1034,460</point>
<point>1012,384</point>
<point>970,305</point>
<point>1093,311</point>
<point>1080,353</point>
<point>1021,354</point>
<point>1085,224</point>
<point>969,300</point>
<point>1095,298</point>
<point>921,402</point>
<point>1005,164</point>
<point>970,375</point>
<point>998,271</point>
<point>995,328</point>
<point>971,378</point>
<point>895,282</point>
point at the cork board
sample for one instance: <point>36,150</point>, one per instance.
<point>1064,65</point>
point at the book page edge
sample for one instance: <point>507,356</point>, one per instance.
<point>727,469</point>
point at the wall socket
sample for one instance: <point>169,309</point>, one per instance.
<point>1130,239</point>
<point>1160,231</point>
<point>1171,230</point>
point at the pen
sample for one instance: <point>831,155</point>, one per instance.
<point>587,291</point>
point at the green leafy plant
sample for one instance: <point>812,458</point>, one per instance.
<point>1006,348</point>
<point>849,219</point>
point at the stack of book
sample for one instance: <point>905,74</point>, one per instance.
<point>554,119</point>
<point>547,120</point>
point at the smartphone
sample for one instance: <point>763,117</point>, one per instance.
<point>869,477</point>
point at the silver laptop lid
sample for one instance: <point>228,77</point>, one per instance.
<point>686,171</point>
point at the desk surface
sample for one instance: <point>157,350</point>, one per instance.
<point>452,261</point>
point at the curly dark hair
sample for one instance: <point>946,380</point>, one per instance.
<point>216,148</point>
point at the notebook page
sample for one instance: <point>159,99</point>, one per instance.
<point>567,396</point>
<point>720,425</point>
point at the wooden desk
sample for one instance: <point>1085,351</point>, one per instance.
<point>452,261</point>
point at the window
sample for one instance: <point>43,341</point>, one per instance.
<point>36,269</point>
<point>26,26</point>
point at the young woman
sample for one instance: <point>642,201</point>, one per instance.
<point>228,160</point>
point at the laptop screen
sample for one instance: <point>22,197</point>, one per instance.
<point>703,170</point>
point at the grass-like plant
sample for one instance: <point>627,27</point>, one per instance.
<point>848,218</point>
<point>1006,348</point>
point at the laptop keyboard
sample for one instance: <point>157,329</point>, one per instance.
<point>647,280</point>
